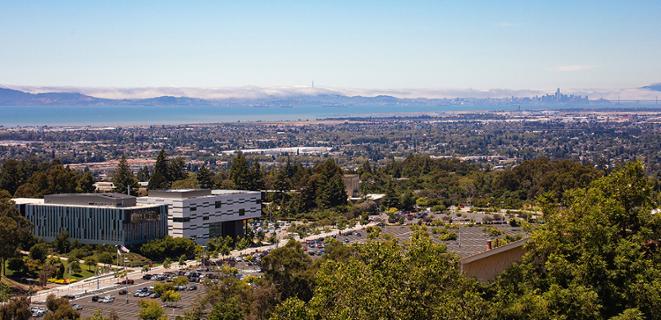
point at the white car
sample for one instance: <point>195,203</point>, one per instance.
<point>37,312</point>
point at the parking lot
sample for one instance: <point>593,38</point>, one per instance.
<point>470,239</point>
<point>126,306</point>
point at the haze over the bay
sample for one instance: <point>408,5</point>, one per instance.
<point>407,49</point>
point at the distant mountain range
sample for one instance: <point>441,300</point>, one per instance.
<point>654,87</point>
<point>11,97</point>
<point>255,97</point>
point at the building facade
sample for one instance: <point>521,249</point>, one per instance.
<point>95,218</point>
<point>203,214</point>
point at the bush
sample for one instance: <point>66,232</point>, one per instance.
<point>17,265</point>
<point>158,250</point>
<point>39,252</point>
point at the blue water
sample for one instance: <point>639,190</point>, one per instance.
<point>152,115</point>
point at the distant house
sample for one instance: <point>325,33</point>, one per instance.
<point>104,186</point>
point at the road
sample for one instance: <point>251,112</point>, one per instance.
<point>105,282</point>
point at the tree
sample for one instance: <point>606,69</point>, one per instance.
<point>62,243</point>
<point>143,174</point>
<point>59,308</point>
<point>167,263</point>
<point>592,258</point>
<point>228,309</point>
<point>240,173</point>
<point>407,201</point>
<point>74,267</point>
<point>176,169</point>
<point>170,296</point>
<point>39,251</point>
<point>17,265</point>
<point>288,267</point>
<point>160,249</point>
<point>85,183</point>
<point>220,245</point>
<point>123,178</point>
<point>14,231</point>
<point>182,260</point>
<point>256,177</point>
<point>190,182</point>
<point>151,310</point>
<point>159,178</point>
<point>291,309</point>
<point>99,316</point>
<point>204,178</point>
<point>390,200</point>
<point>330,186</point>
<point>90,262</point>
<point>419,280</point>
<point>16,309</point>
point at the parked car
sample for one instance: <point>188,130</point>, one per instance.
<point>126,281</point>
<point>123,292</point>
<point>76,306</point>
<point>192,287</point>
<point>95,298</point>
<point>37,312</point>
<point>146,277</point>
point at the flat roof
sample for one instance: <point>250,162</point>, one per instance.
<point>40,202</point>
<point>194,193</point>
<point>484,254</point>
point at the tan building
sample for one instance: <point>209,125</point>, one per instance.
<point>351,185</point>
<point>485,266</point>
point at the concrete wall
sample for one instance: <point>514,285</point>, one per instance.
<point>487,265</point>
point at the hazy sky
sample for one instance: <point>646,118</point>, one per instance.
<point>359,44</point>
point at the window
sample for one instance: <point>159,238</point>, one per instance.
<point>205,218</point>
<point>217,204</point>
<point>193,209</point>
<point>242,212</point>
<point>180,219</point>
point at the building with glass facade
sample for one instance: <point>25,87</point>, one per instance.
<point>95,218</point>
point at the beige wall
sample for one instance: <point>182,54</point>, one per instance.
<point>488,267</point>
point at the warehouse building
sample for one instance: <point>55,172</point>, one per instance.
<point>202,214</point>
<point>95,218</point>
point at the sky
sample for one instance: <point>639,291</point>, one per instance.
<point>337,44</point>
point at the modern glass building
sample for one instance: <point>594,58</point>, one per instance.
<point>95,218</point>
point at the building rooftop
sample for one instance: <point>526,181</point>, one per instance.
<point>193,193</point>
<point>110,200</point>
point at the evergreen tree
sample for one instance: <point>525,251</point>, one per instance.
<point>123,178</point>
<point>257,180</point>
<point>240,172</point>
<point>390,200</point>
<point>330,186</point>
<point>159,178</point>
<point>85,182</point>
<point>204,178</point>
<point>14,231</point>
<point>143,174</point>
<point>176,169</point>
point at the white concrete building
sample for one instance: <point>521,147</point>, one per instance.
<point>204,214</point>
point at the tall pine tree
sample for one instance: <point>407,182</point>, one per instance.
<point>123,178</point>
<point>240,172</point>
<point>159,179</point>
<point>330,187</point>
<point>204,178</point>
<point>256,178</point>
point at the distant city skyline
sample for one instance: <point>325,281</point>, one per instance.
<point>430,48</point>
